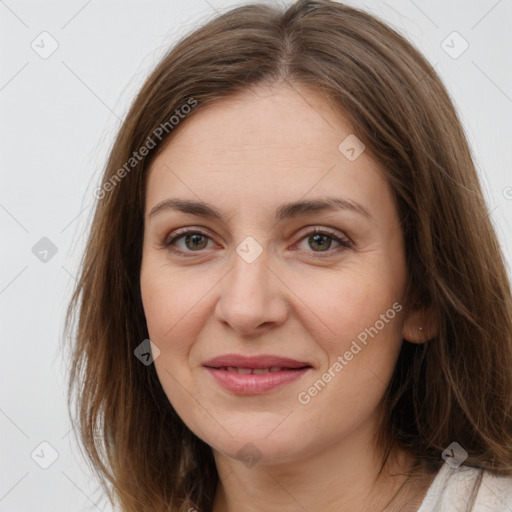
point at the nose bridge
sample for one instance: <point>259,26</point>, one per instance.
<point>248,281</point>
<point>249,297</point>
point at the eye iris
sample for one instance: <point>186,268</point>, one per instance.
<point>195,239</point>
<point>319,238</point>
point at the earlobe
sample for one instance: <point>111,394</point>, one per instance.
<point>419,327</point>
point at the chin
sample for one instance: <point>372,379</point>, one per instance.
<point>257,449</point>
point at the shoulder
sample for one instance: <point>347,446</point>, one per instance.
<point>495,493</point>
<point>455,490</point>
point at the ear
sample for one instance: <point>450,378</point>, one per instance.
<point>415,319</point>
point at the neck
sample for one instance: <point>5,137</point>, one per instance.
<point>345,479</point>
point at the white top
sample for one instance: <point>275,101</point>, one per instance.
<point>452,489</point>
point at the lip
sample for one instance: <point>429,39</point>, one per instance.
<point>261,361</point>
<point>254,384</point>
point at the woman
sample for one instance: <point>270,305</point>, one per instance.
<point>291,214</point>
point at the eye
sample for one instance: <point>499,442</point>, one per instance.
<point>320,240</point>
<point>193,240</point>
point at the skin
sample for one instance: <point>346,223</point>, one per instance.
<point>246,155</point>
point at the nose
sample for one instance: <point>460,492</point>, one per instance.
<point>252,299</point>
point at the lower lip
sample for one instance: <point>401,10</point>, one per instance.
<point>254,384</point>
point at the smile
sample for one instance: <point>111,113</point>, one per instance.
<point>247,371</point>
<point>253,381</point>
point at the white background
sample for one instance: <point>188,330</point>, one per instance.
<point>58,118</point>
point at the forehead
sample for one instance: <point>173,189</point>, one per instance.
<point>262,148</point>
<point>283,118</point>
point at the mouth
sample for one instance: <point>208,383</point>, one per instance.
<point>255,375</point>
<point>255,371</point>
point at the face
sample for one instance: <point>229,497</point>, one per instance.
<point>251,277</point>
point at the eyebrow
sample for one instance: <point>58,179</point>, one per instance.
<point>285,211</point>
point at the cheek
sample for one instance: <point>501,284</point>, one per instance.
<point>348,389</point>
<point>359,333</point>
<point>170,300</point>
<point>168,310</point>
<point>174,306</point>
<point>347,303</point>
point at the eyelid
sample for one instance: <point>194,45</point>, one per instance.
<point>184,231</point>
<point>344,241</point>
<point>179,233</point>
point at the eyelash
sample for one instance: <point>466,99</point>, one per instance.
<point>345,243</point>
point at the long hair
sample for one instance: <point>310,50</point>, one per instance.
<point>455,387</point>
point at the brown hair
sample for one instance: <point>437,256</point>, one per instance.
<point>455,387</point>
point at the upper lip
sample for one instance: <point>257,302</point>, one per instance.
<point>261,361</point>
